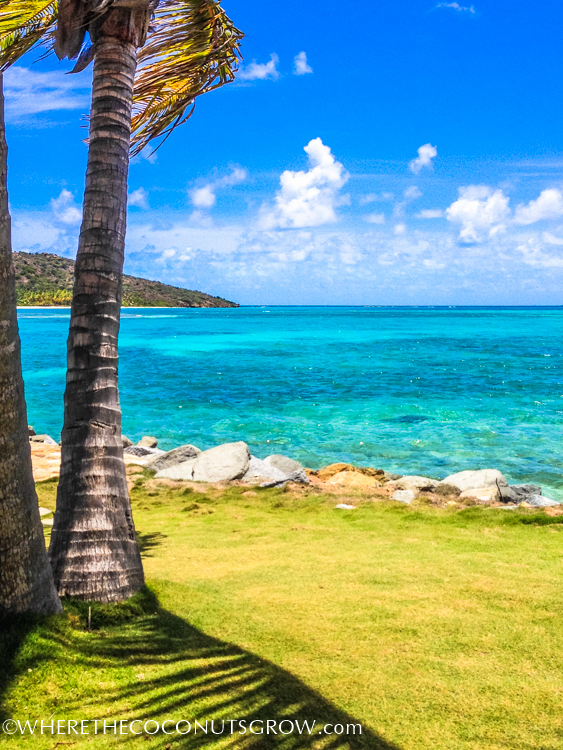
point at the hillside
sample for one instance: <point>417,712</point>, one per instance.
<point>46,279</point>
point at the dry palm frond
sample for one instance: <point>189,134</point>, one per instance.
<point>24,23</point>
<point>192,48</point>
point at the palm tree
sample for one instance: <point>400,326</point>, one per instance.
<point>192,49</point>
<point>26,582</point>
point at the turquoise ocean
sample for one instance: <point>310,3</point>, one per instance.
<point>418,390</point>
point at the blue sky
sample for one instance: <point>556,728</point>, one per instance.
<point>386,153</point>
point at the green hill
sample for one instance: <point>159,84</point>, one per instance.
<point>45,279</point>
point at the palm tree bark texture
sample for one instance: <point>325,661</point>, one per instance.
<point>26,582</point>
<point>93,550</point>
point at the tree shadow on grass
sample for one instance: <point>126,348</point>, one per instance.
<point>158,666</point>
<point>149,541</point>
<point>14,630</point>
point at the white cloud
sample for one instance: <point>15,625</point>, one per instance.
<point>533,255</point>
<point>412,193</point>
<point>139,198</point>
<point>31,92</point>
<point>261,71</point>
<point>375,198</point>
<point>409,195</point>
<point>400,229</point>
<point>430,213</point>
<point>549,205</point>
<point>375,218</point>
<point>457,6</point>
<point>480,211</point>
<point>308,199</point>
<point>205,196</point>
<point>551,239</point>
<point>424,159</point>
<point>301,66</point>
<point>65,209</point>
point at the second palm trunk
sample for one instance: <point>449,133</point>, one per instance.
<point>93,550</point>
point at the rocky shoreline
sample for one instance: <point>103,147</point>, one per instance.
<point>233,463</point>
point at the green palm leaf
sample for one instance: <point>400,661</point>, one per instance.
<point>24,23</point>
<point>192,47</point>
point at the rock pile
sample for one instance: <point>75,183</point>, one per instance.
<point>234,462</point>
<point>226,463</point>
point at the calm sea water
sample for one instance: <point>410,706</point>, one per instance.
<point>412,390</point>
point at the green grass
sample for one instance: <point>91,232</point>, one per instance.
<point>436,629</point>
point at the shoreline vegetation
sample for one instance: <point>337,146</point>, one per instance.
<point>46,280</point>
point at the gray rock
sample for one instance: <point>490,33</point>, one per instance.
<point>508,495</point>
<point>260,471</point>
<point>30,431</point>
<point>344,506</point>
<point>414,482</point>
<point>223,463</point>
<point>391,477</point>
<point>140,450</point>
<point>172,458</point>
<point>298,476</point>
<point>476,480</point>
<point>47,439</point>
<point>522,491</point>
<point>148,442</point>
<point>283,463</point>
<point>181,472</point>
<point>126,442</point>
<point>539,501</point>
<point>404,496</point>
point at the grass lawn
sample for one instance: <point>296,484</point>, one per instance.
<point>436,629</point>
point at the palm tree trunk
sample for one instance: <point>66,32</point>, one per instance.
<point>93,550</point>
<point>26,582</point>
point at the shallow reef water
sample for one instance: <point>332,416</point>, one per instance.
<point>418,390</point>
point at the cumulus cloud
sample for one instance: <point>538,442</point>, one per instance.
<point>301,67</point>
<point>261,71</point>
<point>430,213</point>
<point>549,205</point>
<point>139,198</point>
<point>480,211</point>
<point>205,196</point>
<point>31,92</point>
<point>400,229</point>
<point>65,209</point>
<point>457,6</point>
<point>424,159</point>
<point>308,199</point>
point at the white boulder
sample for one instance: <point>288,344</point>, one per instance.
<point>283,463</point>
<point>404,496</point>
<point>475,480</point>
<point>260,471</point>
<point>483,494</point>
<point>414,482</point>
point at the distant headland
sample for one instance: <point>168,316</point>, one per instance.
<point>45,280</point>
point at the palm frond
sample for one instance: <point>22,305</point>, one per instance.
<point>192,48</point>
<point>24,23</point>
